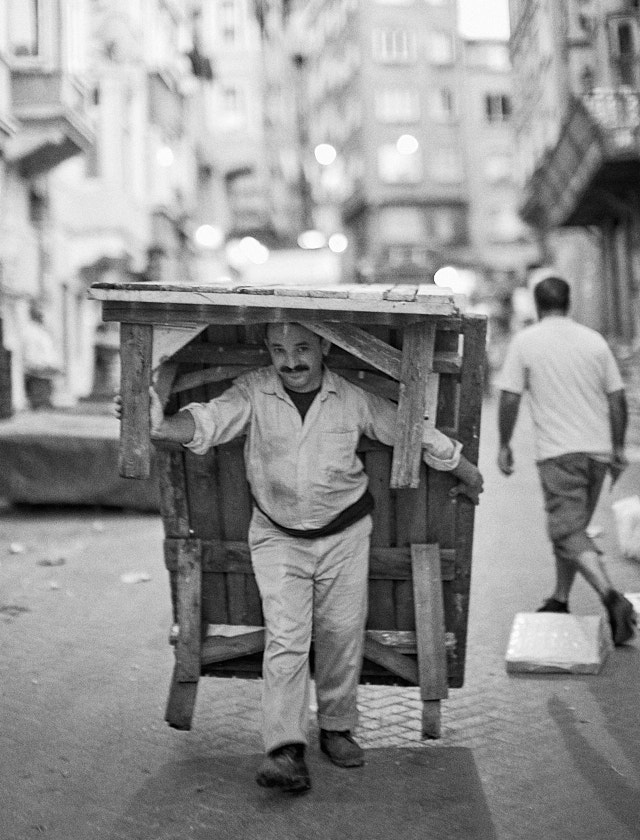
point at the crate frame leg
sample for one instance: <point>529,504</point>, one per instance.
<point>430,634</point>
<point>188,652</point>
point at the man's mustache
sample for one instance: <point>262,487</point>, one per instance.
<point>296,369</point>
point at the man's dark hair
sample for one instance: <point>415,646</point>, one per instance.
<point>552,293</point>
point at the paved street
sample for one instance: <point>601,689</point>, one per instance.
<point>86,667</point>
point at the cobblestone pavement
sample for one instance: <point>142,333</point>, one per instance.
<point>86,668</point>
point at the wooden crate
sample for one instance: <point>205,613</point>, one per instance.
<point>408,343</point>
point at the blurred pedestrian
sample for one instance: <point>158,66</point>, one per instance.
<point>42,361</point>
<point>579,411</point>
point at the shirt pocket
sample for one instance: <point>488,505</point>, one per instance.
<point>338,453</point>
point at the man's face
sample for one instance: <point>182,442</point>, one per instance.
<point>297,355</point>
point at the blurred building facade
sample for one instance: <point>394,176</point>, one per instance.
<point>99,171</point>
<point>577,122</point>
<point>406,103</point>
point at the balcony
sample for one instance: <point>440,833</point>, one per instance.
<point>50,108</point>
<point>595,165</point>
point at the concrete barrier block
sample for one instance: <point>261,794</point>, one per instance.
<point>558,643</point>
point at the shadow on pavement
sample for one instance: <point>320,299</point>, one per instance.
<point>399,795</point>
<point>589,742</point>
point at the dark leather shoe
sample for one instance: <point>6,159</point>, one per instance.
<point>341,748</point>
<point>622,617</point>
<point>553,605</point>
<point>284,768</point>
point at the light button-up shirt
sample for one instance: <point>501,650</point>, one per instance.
<point>303,474</point>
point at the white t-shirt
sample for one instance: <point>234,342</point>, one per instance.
<point>567,370</point>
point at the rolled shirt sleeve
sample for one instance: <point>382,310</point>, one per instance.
<point>438,450</point>
<point>220,420</point>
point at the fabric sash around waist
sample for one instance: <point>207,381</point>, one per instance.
<point>354,513</point>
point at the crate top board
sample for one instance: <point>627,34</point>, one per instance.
<point>235,303</point>
<point>158,318</point>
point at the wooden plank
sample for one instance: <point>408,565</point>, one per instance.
<point>469,421</point>
<point>221,648</point>
<point>371,382</point>
<point>252,356</point>
<point>203,494</point>
<point>417,357</point>
<point>431,726</point>
<point>431,398</point>
<point>377,464</point>
<point>181,702</point>
<point>431,300</point>
<point>134,459</point>
<point>177,314</point>
<point>197,378</point>
<point>234,491</point>
<point>403,641</point>
<point>233,557</point>
<point>189,584</point>
<point>381,609</point>
<point>361,344</point>
<point>174,508</point>
<point>163,381</point>
<point>392,660</point>
<point>430,633</point>
<point>168,340</point>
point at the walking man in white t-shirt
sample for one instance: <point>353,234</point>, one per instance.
<point>579,412</point>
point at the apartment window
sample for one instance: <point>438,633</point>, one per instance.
<point>623,37</point>
<point>394,46</point>
<point>444,226</point>
<point>24,28</point>
<point>505,225</point>
<point>497,57</point>
<point>228,27</point>
<point>397,105</point>
<point>397,168</point>
<point>442,105</point>
<point>440,48</point>
<point>234,110</point>
<point>497,107</point>
<point>498,167</point>
<point>446,166</point>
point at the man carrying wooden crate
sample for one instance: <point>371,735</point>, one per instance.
<point>310,532</point>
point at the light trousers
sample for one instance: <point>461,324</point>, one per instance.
<point>310,587</point>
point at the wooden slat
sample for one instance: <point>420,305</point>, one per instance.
<point>188,645</point>
<point>252,356</point>
<point>181,702</point>
<point>397,663</point>
<point>197,378</point>
<point>469,417</point>
<point>163,381</point>
<point>404,641</point>
<point>417,358</point>
<point>431,719</point>
<point>431,399</point>
<point>377,465</point>
<point>168,340</point>
<point>371,382</point>
<point>430,299</point>
<point>174,507</point>
<point>430,633</point>
<point>221,648</point>
<point>180,313</point>
<point>233,557</point>
<point>361,344</point>
<point>134,459</point>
